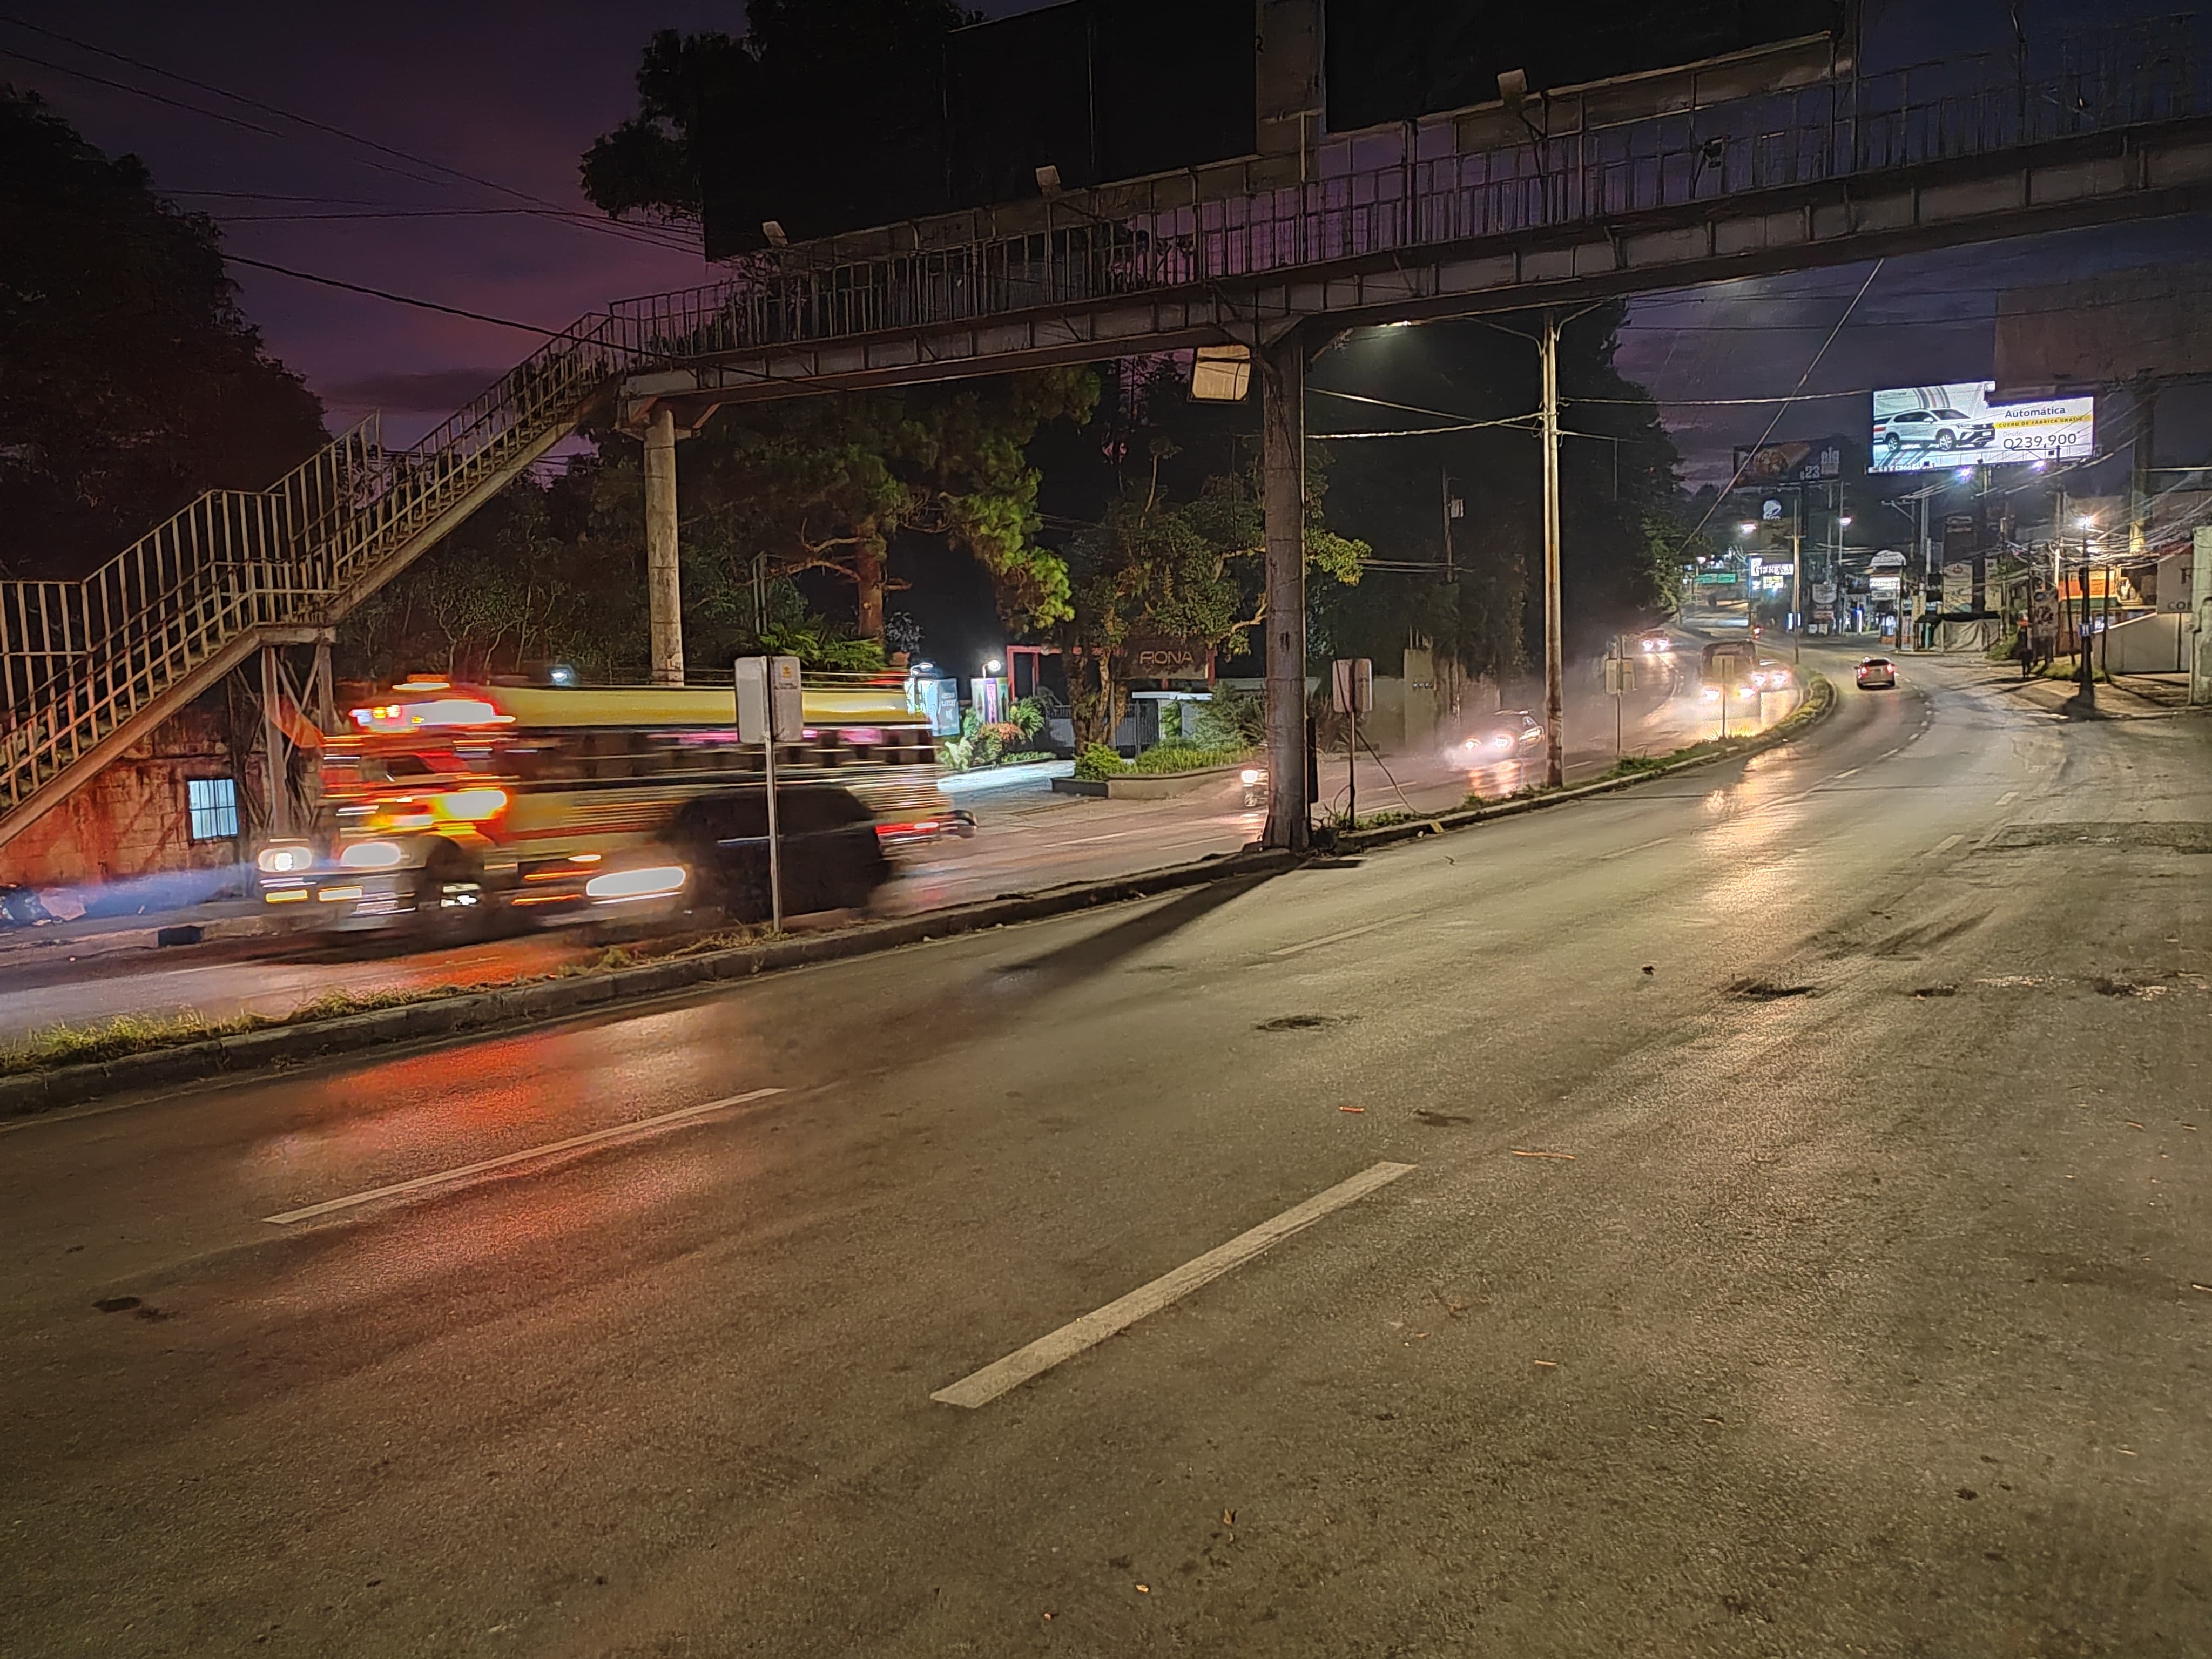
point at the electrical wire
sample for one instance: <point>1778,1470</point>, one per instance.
<point>399,299</point>
<point>1712,506</point>
<point>636,233</point>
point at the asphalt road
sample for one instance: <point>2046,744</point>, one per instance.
<point>1029,838</point>
<point>1800,1253</point>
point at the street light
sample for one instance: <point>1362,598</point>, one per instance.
<point>994,667</point>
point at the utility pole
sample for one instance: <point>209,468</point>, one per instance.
<point>1283,502</point>
<point>1555,759</point>
<point>1797,579</point>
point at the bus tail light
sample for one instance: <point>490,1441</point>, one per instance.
<point>647,881</point>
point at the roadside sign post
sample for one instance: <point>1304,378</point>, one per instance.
<point>771,709</point>
<point>1353,681</point>
<point>1619,680</point>
<point>1727,670</point>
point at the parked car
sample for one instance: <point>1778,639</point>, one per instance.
<point>1877,674</point>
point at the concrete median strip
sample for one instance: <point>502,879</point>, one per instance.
<point>982,1387</point>
<point>463,1012</point>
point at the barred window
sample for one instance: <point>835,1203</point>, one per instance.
<point>212,803</point>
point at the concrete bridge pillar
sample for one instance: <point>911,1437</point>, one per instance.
<point>1283,500</point>
<point>663,582</point>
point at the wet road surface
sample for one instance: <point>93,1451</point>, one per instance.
<point>1799,1250</point>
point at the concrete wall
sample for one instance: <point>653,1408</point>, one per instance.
<point>131,819</point>
<point>2157,644</point>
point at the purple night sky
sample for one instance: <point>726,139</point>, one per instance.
<point>513,94</point>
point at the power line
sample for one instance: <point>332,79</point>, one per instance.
<point>635,232</point>
<point>398,299</point>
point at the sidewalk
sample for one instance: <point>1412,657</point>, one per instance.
<point>2126,699</point>
<point>93,937</point>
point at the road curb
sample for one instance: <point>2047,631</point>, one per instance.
<point>1819,702</point>
<point>466,1011</point>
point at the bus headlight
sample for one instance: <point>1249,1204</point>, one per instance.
<point>647,881</point>
<point>372,855</point>
<point>289,860</point>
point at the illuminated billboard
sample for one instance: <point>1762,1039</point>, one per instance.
<point>1919,427</point>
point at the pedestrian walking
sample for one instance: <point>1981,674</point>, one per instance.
<point>2023,648</point>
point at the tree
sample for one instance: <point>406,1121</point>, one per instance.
<point>824,115</point>
<point>824,484</point>
<point>1188,571</point>
<point>130,381</point>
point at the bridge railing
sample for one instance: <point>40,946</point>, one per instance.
<point>80,660</point>
<point>1384,190</point>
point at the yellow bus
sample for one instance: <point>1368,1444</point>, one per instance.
<point>444,804</point>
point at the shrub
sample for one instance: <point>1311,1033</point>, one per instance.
<point>1097,763</point>
<point>1184,757</point>
<point>1233,719</point>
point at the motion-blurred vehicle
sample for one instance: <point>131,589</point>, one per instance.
<point>1749,678</point>
<point>954,824</point>
<point>1877,674</point>
<point>446,804</point>
<point>1253,780</point>
<point>1656,642</point>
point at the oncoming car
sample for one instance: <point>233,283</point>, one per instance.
<point>1877,674</point>
<point>1510,734</point>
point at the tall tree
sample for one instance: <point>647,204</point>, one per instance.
<point>1189,571</point>
<point>130,381</point>
<point>825,484</point>
<point>824,114</point>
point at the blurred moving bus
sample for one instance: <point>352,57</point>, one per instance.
<point>444,802</point>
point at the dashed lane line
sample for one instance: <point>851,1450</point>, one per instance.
<point>1336,938</point>
<point>982,1387</point>
<point>1946,844</point>
<point>636,1127</point>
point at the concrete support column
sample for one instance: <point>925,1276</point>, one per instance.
<point>2200,583</point>
<point>1555,724</point>
<point>275,752</point>
<point>663,585</point>
<point>1283,499</point>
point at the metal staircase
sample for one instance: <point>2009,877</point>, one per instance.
<point>88,668</point>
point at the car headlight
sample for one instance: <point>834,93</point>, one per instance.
<point>648,881</point>
<point>285,861</point>
<point>372,855</point>
<point>1249,776</point>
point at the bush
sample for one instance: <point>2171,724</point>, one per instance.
<point>1233,719</point>
<point>1097,763</point>
<point>1184,757</point>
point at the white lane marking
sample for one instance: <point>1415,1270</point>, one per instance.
<point>2009,797</point>
<point>1334,939</point>
<point>1887,753</point>
<point>443,1177</point>
<point>1640,847</point>
<point>982,1387</point>
<point>1848,772</point>
<point>1946,843</point>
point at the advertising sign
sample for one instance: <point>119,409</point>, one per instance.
<point>1916,428</point>
<point>1158,657</point>
<point>1798,461</point>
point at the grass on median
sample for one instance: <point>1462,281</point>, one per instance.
<point>53,1045</point>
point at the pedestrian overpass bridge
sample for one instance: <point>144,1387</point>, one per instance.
<point>1547,202</point>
